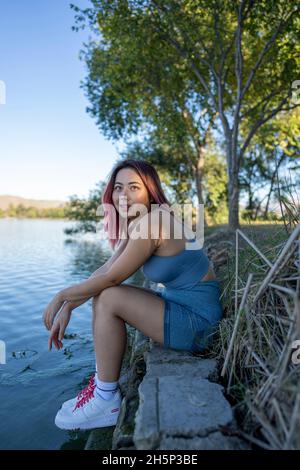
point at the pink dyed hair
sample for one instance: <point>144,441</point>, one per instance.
<point>151,180</point>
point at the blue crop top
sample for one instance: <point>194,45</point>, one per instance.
<point>180,271</point>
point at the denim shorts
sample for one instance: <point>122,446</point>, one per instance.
<point>191,316</point>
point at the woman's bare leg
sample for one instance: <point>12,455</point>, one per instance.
<point>115,307</point>
<point>145,289</point>
<point>110,339</point>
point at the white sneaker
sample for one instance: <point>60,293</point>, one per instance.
<point>91,386</point>
<point>91,411</point>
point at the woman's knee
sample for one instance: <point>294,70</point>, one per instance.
<point>95,301</point>
<point>104,298</point>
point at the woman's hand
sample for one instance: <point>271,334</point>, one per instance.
<point>51,310</point>
<point>59,327</point>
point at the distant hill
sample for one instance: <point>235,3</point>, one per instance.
<point>6,200</point>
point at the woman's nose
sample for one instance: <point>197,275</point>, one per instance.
<point>123,194</point>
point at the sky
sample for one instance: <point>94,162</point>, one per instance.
<point>50,148</point>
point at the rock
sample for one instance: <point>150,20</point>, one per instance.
<point>203,407</point>
<point>214,441</point>
<point>170,406</point>
<point>181,406</point>
<point>162,362</point>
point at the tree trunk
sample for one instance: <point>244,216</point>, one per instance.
<point>266,211</point>
<point>233,188</point>
<point>272,184</point>
<point>233,191</point>
<point>232,158</point>
<point>250,202</point>
<point>199,176</point>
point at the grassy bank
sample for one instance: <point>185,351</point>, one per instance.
<point>255,338</point>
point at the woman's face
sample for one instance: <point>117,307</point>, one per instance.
<point>129,189</point>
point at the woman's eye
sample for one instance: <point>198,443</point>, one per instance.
<point>119,187</point>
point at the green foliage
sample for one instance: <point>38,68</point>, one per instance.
<point>174,170</point>
<point>168,70</point>
<point>274,153</point>
<point>20,211</point>
<point>146,59</point>
<point>84,211</point>
<point>216,193</point>
<point>137,87</point>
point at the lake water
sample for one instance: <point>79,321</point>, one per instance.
<point>36,260</point>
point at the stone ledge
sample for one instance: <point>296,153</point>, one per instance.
<point>161,362</point>
<point>180,407</point>
<point>214,441</point>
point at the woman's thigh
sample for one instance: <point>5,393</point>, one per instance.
<point>145,289</point>
<point>139,307</point>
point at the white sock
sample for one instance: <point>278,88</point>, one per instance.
<point>106,390</point>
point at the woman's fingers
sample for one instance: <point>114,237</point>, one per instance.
<point>57,331</point>
<point>63,326</point>
<point>45,320</point>
<point>53,337</point>
<point>47,317</point>
<point>51,310</point>
<point>56,335</point>
<point>61,333</point>
<point>50,341</point>
<point>48,320</point>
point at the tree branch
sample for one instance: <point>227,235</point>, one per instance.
<point>264,51</point>
<point>262,121</point>
<point>261,102</point>
<point>185,53</point>
<point>238,74</point>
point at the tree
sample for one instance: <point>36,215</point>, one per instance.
<point>275,147</point>
<point>84,211</point>
<point>176,177</point>
<point>191,56</point>
<point>162,106</point>
<point>215,187</point>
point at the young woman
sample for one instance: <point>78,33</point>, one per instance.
<point>183,316</point>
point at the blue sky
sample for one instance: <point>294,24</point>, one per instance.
<point>50,147</point>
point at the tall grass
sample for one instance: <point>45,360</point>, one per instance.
<point>261,322</point>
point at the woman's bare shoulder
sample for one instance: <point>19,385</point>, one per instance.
<point>147,223</point>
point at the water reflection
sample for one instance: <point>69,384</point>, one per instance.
<point>37,260</point>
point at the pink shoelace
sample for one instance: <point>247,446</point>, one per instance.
<point>86,394</point>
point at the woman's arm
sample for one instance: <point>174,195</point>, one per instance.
<point>72,304</point>
<point>138,249</point>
